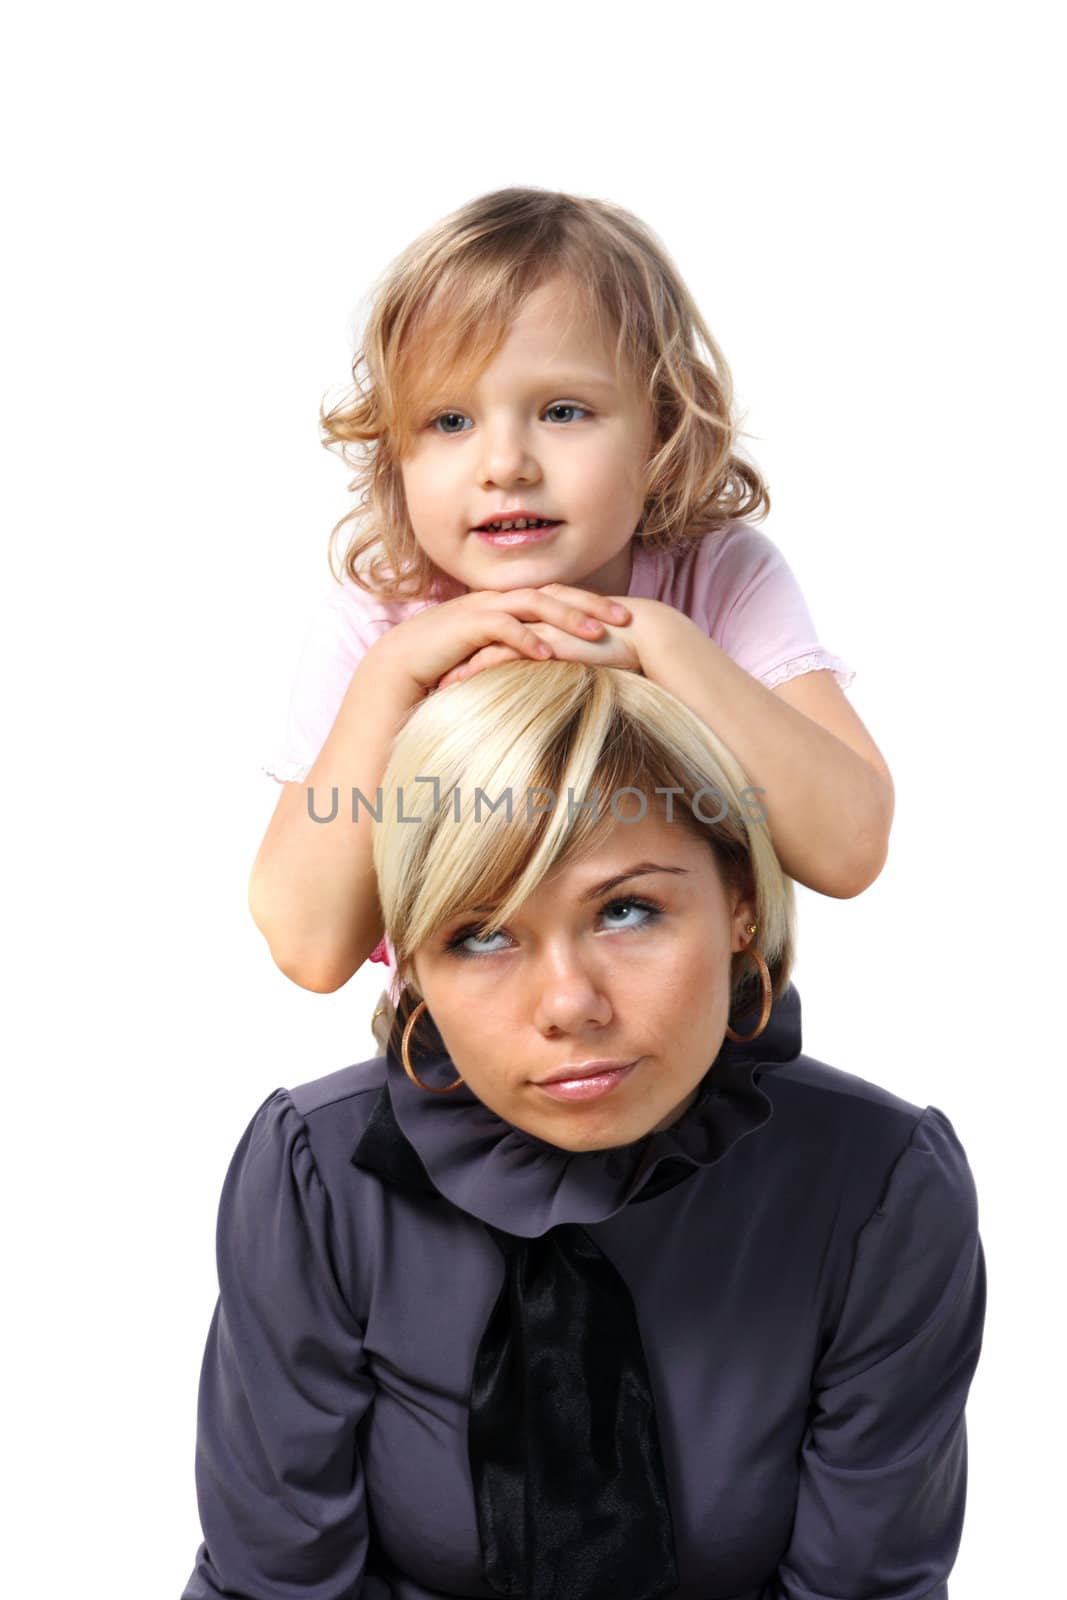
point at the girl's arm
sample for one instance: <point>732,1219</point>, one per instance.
<point>312,888</point>
<point>828,792</point>
<point>312,891</point>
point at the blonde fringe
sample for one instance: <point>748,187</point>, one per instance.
<point>571,729</point>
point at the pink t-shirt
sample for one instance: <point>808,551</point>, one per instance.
<point>734,584</point>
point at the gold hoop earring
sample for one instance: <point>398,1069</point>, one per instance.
<point>405,1057</point>
<point>765,982</point>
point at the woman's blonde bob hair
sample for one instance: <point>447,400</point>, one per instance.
<point>530,730</point>
<point>442,310</point>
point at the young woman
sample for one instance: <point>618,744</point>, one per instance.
<point>594,1286</point>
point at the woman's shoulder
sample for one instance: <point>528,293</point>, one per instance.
<point>837,1104</point>
<point>334,1111</point>
<point>311,1130</point>
<point>825,1091</point>
<point>863,1139</point>
<point>347,1089</point>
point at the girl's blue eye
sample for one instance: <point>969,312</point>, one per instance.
<point>560,405</point>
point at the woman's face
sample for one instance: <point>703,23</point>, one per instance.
<point>620,957</point>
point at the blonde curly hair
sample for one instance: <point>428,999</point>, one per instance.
<point>444,308</point>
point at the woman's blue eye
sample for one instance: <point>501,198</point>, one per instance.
<point>560,405</point>
<point>482,943</point>
<point>460,942</point>
<point>648,912</point>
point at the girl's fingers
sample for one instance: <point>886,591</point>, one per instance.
<point>509,631</point>
<point>570,618</point>
<point>615,649</point>
<point>490,656</point>
<point>596,605</point>
<point>569,609</point>
<point>565,647</point>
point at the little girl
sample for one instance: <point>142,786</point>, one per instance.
<point>547,467</point>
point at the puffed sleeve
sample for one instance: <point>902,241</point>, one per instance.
<point>884,1463</point>
<point>345,625</point>
<point>758,613</point>
<point>283,1386</point>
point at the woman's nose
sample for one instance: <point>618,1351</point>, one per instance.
<point>570,1000</point>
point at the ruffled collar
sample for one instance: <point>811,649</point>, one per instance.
<point>454,1146</point>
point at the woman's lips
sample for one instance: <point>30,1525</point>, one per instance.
<point>590,1088</point>
<point>518,535</point>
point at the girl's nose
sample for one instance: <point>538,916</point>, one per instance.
<point>569,999</point>
<point>506,457</point>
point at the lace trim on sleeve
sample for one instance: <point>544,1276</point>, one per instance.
<point>287,771</point>
<point>813,661</point>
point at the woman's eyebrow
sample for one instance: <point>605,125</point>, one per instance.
<point>639,871</point>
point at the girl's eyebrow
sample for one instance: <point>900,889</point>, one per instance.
<point>641,870</point>
<point>561,381</point>
<point>577,380</point>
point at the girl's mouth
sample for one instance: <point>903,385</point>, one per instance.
<point>512,536</point>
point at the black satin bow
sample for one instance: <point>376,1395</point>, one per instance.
<point>564,1449</point>
<point>565,1455</point>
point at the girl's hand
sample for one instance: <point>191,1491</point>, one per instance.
<point>425,648</point>
<point>618,647</point>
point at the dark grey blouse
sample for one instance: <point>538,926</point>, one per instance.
<point>803,1254</point>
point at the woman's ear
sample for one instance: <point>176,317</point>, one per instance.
<point>743,914</point>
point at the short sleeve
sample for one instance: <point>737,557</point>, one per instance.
<point>765,625</point>
<point>343,629</point>
<point>884,1462</point>
<point>282,1388</point>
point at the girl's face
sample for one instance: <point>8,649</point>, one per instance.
<point>620,957</point>
<point>548,428</point>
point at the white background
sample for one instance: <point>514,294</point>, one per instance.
<point>865,204</point>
